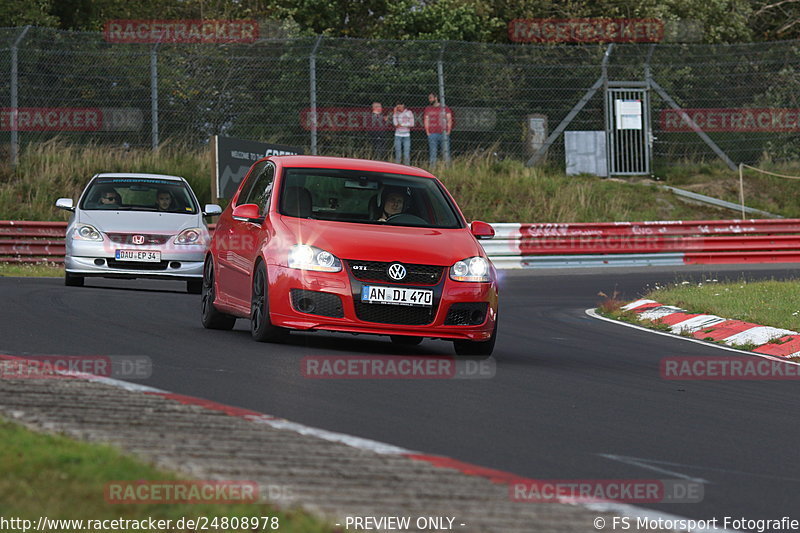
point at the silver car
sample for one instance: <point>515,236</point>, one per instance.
<point>136,226</point>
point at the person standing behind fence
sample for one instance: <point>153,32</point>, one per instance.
<point>378,125</point>
<point>438,123</point>
<point>403,120</point>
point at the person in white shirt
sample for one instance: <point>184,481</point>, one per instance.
<point>403,120</point>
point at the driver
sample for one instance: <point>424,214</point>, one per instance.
<point>164,200</point>
<point>109,199</point>
<point>393,202</point>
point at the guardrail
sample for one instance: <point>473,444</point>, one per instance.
<point>645,243</point>
<point>543,245</point>
<point>32,242</point>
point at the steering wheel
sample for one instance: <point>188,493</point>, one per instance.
<point>406,218</point>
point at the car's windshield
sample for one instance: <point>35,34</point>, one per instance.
<point>366,197</point>
<point>139,194</point>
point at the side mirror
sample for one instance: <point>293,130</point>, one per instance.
<point>211,210</point>
<point>247,213</point>
<point>65,203</point>
<point>481,230</point>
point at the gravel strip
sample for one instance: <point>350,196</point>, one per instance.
<point>326,478</point>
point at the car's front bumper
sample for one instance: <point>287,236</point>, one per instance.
<point>356,317</point>
<point>98,259</point>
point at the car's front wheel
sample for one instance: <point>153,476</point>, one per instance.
<point>261,327</point>
<point>70,280</point>
<point>477,348</point>
<point>211,318</point>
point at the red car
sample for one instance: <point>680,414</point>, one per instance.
<point>349,245</point>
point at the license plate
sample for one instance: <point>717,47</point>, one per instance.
<point>141,256</point>
<point>374,294</point>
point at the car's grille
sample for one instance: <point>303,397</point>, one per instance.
<point>126,238</point>
<point>136,265</point>
<point>317,303</point>
<point>395,314</point>
<point>376,271</point>
<point>466,314</point>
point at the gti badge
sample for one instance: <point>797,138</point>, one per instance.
<point>396,271</point>
<point>137,239</point>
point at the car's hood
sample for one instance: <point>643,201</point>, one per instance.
<point>372,242</point>
<point>138,221</point>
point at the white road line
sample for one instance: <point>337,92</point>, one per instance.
<point>721,470</point>
<point>592,313</point>
<point>644,463</point>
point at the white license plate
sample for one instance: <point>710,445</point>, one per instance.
<point>374,294</point>
<point>141,256</point>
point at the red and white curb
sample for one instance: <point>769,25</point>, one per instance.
<point>495,476</point>
<point>735,333</point>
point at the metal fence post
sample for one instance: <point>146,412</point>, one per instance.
<point>601,81</point>
<point>443,105</point>
<point>15,98</point>
<point>154,95</point>
<point>312,76</point>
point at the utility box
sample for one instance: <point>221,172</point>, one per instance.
<point>536,132</point>
<point>585,152</point>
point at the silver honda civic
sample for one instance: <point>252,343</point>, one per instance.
<point>136,226</point>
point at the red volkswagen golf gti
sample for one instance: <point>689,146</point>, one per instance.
<point>349,245</point>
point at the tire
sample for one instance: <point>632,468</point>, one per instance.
<point>261,327</point>
<point>71,280</point>
<point>477,348</point>
<point>211,318</point>
<point>405,340</point>
<point>194,286</point>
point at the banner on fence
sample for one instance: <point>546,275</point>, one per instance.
<point>234,157</point>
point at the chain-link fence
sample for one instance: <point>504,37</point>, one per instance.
<point>508,100</point>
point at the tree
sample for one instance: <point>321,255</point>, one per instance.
<point>26,12</point>
<point>455,20</point>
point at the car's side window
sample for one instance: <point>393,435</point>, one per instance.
<point>262,190</point>
<point>247,191</point>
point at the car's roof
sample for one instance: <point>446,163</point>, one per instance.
<point>317,161</point>
<point>138,175</point>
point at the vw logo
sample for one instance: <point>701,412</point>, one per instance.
<point>396,271</point>
<point>137,239</point>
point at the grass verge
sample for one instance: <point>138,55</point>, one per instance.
<point>485,188</point>
<point>768,193</point>
<point>56,477</point>
<point>773,303</point>
<point>769,303</point>
<point>41,270</point>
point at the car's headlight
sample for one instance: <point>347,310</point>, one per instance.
<point>471,269</point>
<point>190,236</point>
<point>85,232</point>
<point>307,257</point>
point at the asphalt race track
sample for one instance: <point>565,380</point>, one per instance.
<point>568,389</point>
